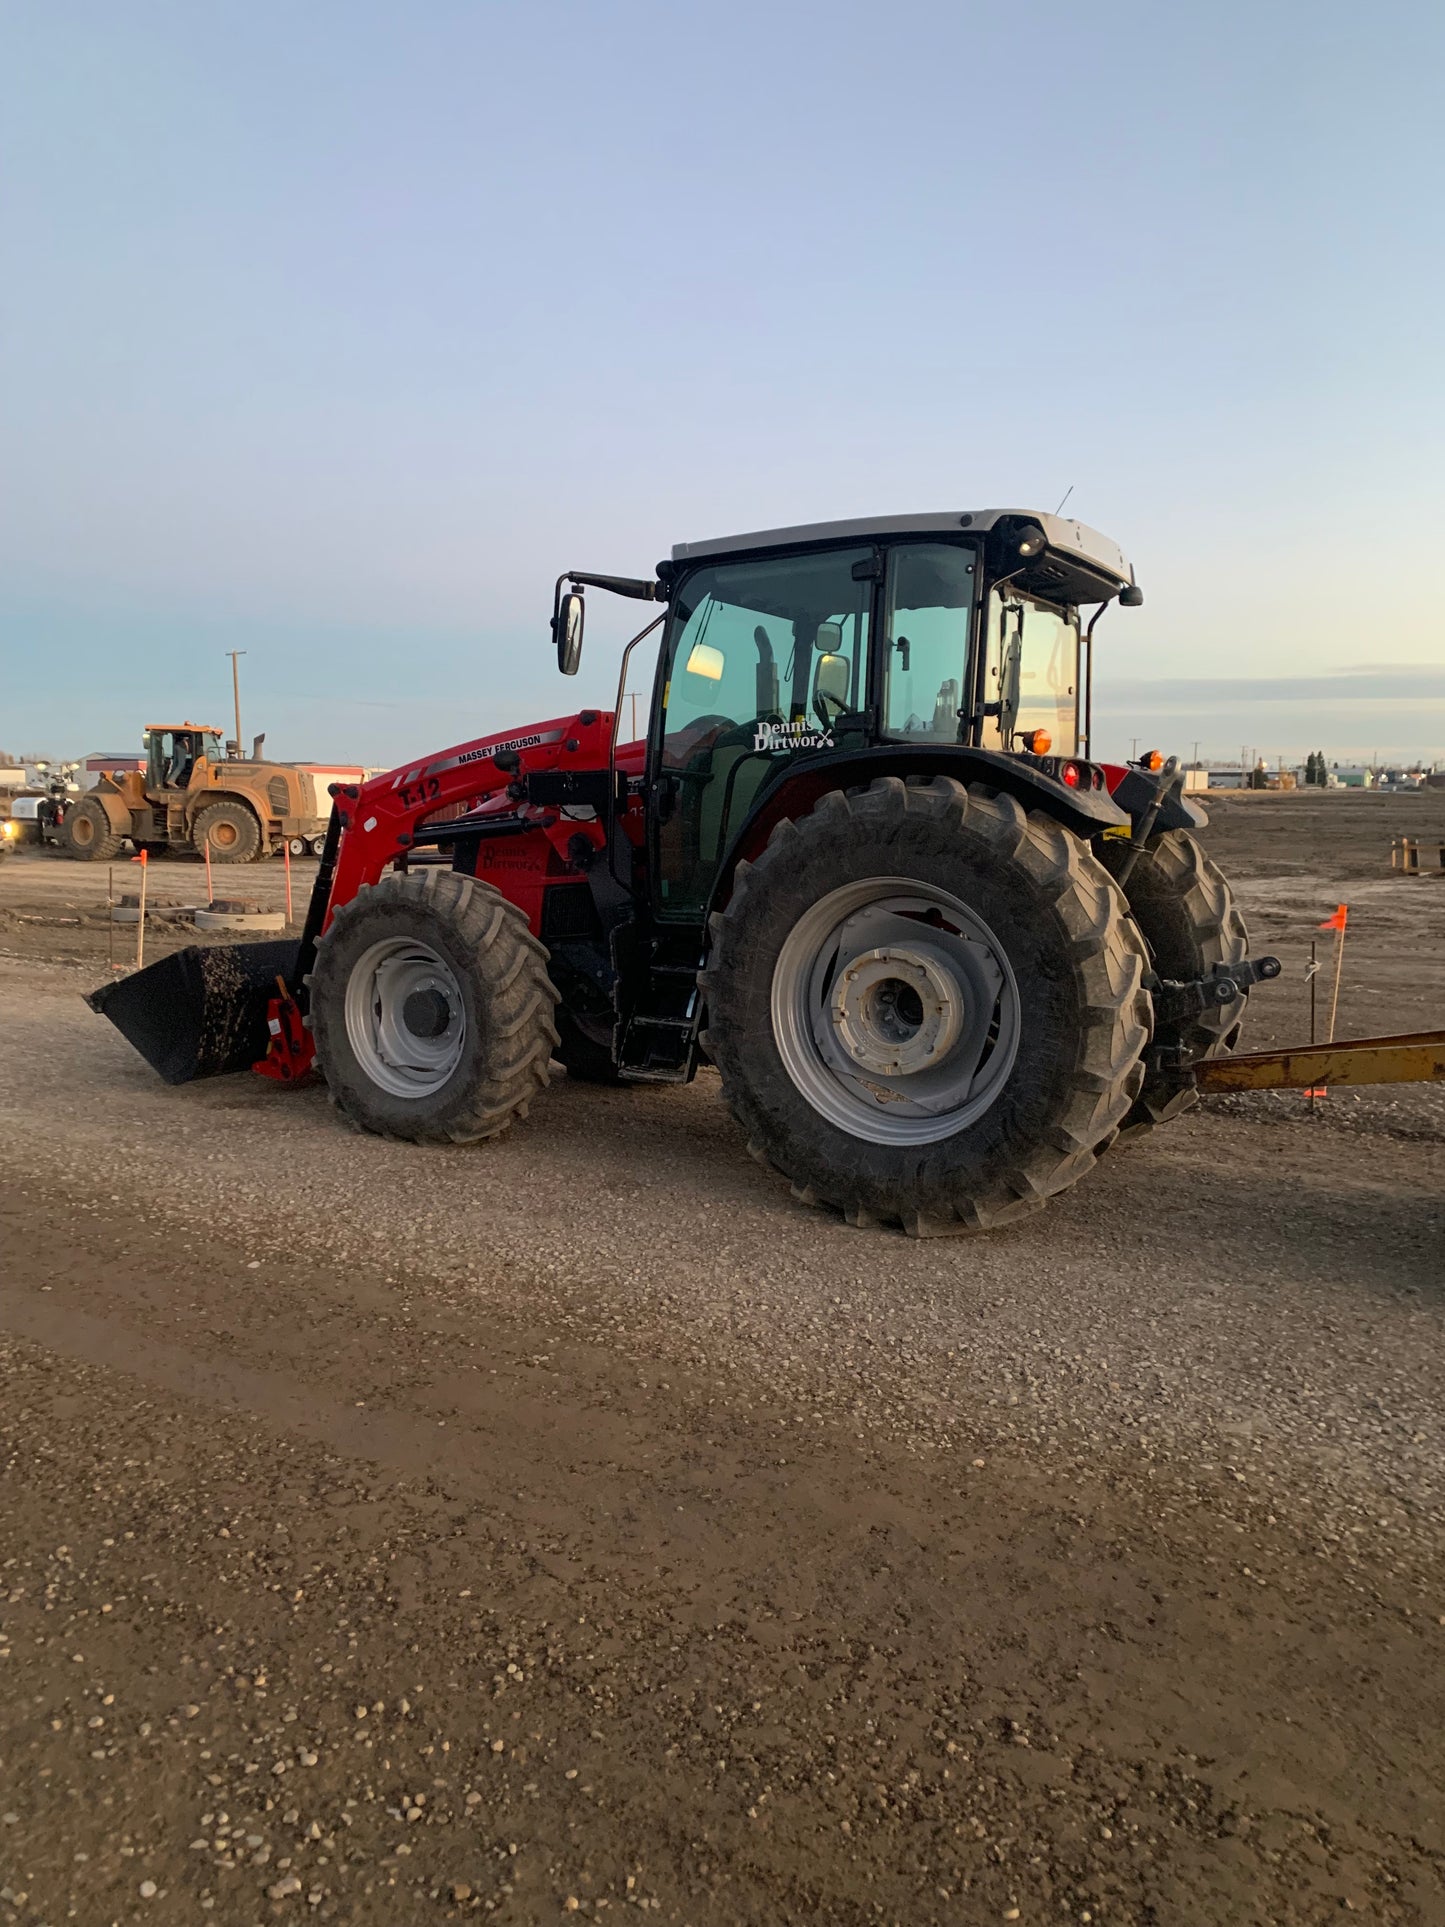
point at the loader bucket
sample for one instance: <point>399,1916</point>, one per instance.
<point>199,1012</point>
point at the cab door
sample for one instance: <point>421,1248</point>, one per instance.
<point>762,661</point>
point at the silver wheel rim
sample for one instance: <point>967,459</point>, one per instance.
<point>895,1011</point>
<point>405,1019</point>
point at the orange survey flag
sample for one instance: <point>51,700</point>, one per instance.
<point>1338,920</point>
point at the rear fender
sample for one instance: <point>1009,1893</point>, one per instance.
<point>795,788</point>
<point>1133,790</point>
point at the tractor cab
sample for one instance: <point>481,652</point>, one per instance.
<point>934,641</point>
<point>174,749</point>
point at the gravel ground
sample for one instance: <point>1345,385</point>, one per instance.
<point>1089,1570</point>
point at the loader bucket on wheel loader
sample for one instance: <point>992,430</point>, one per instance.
<point>200,1012</point>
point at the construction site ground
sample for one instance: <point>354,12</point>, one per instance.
<point>575,1525</point>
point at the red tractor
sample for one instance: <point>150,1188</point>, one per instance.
<point>862,864</point>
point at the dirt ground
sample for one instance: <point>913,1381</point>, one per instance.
<point>574,1524</point>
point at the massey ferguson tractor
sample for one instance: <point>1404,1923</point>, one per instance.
<point>863,864</point>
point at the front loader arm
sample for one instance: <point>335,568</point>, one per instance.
<point>380,819</point>
<point>374,824</point>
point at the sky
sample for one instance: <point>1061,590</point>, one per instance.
<point>333,333</point>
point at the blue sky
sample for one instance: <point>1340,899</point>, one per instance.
<point>334,332</point>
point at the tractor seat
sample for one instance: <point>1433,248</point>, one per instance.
<point>721,763</point>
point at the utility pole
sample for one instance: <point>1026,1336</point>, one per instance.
<point>236,690</point>
<point>1133,748</point>
<point>1196,752</point>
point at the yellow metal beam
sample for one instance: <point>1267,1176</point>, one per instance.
<point>1415,1059</point>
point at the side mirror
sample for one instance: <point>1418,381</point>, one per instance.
<point>567,632</point>
<point>1131,598</point>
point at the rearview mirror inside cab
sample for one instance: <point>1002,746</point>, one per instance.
<point>704,660</point>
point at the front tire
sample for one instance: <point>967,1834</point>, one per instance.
<point>230,831</point>
<point>926,1006</point>
<point>87,834</point>
<point>432,1009</point>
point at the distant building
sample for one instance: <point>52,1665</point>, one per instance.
<point>329,773</point>
<point>99,761</point>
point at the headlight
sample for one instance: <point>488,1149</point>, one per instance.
<point>9,829</point>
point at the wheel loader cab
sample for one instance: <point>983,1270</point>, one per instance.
<point>174,750</point>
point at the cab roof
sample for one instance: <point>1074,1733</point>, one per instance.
<point>1064,536</point>
<point>206,729</point>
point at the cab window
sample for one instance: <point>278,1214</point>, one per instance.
<point>929,614</point>
<point>1031,675</point>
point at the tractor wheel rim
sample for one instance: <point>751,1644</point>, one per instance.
<point>223,835</point>
<point>83,830</point>
<point>895,1011</point>
<point>405,1018</point>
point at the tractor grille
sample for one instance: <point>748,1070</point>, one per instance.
<point>279,794</point>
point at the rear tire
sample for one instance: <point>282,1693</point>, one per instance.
<point>87,834</point>
<point>1016,947</point>
<point>1186,914</point>
<point>229,830</point>
<point>432,1009</point>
